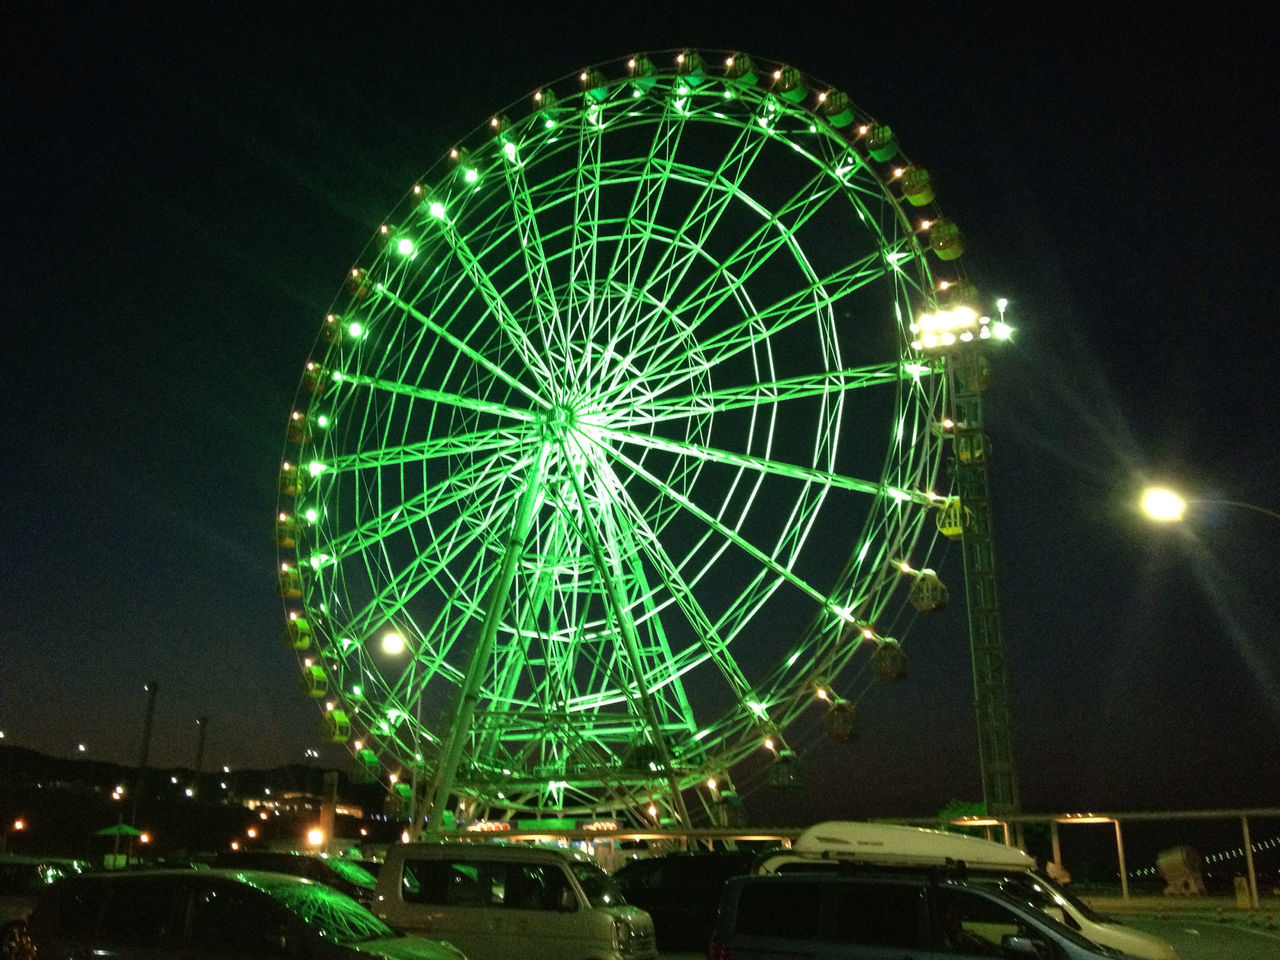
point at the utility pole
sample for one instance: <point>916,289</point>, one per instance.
<point>202,726</point>
<point>152,687</point>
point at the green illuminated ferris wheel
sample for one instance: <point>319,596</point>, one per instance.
<point>609,457</point>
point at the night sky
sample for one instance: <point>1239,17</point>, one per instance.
<point>184,193</point>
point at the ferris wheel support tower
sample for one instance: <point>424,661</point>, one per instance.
<point>961,336</point>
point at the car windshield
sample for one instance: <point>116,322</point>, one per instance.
<point>600,888</point>
<point>1045,893</point>
<point>333,915</point>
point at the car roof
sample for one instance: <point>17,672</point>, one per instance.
<point>486,849</point>
<point>266,879</point>
<point>940,880</point>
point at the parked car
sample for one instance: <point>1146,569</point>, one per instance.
<point>212,915</point>
<point>22,880</point>
<point>846,845</point>
<point>873,916</point>
<point>681,892</point>
<point>502,901</point>
<point>346,876</point>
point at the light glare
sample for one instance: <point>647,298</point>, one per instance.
<point>1163,504</point>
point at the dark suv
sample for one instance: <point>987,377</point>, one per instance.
<point>866,916</point>
<point>681,891</point>
<point>212,915</point>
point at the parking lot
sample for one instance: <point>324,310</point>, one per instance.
<point>1211,928</point>
<point>1205,938</point>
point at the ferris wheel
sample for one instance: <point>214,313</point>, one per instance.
<point>614,449</point>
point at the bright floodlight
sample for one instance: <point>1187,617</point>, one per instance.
<point>949,320</point>
<point>392,643</point>
<point>1162,504</point>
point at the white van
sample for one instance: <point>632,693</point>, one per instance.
<point>831,844</point>
<point>497,901</point>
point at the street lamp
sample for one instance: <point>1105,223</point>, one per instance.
<point>1094,818</point>
<point>1168,506</point>
<point>17,826</point>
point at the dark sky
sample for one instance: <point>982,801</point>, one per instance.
<point>184,193</point>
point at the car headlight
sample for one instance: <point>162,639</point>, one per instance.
<point>622,933</point>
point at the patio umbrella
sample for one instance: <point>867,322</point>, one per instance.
<point>119,830</point>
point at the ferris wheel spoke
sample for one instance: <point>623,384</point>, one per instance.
<point>634,530</point>
<point>586,219</point>
<point>460,401</point>
<point>494,440</point>
<point>504,316</point>
<point>818,294</point>
<point>466,530</point>
<point>541,290</point>
<point>402,586</point>
<point>714,638</point>
<point>604,544</point>
<point>658,408</point>
<point>769,235</point>
<point>776,231</point>
<point>403,516</point>
<point>463,347</point>
<point>758,465</point>
<point>647,541</point>
<point>713,523</point>
<point>760,326</point>
<point>719,189</point>
<point>646,199</point>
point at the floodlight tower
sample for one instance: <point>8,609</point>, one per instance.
<point>960,336</point>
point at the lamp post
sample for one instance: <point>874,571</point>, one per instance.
<point>1095,818</point>
<point>1167,506</point>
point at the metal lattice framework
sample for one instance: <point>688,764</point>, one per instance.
<point>617,429</point>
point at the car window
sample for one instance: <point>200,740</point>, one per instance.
<point>887,915</point>
<point>448,882</point>
<point>600,889</point>
<point>79,906</point>
<point>229,921</point>
<point>141,913</point>
<point>790,910</point>
<point>973,926</point>
<point>534,886</point>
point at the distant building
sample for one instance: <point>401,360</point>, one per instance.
<point>297,802</point>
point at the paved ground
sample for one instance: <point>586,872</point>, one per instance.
<point>1209,928</point>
